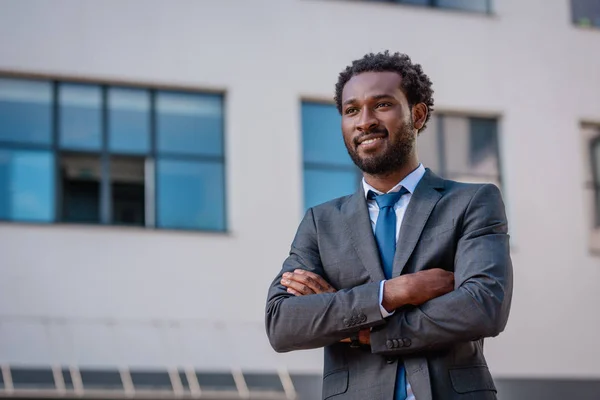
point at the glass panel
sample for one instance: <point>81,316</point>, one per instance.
<point>586,12</point>
<point>26,185</point>
<point>417,2</point>
<point>596,159</point>
<point>263,382</point>
<point>471,147</point>
<point>184,381</point>
<point>216,381</point>
<point>484,143</point>
<point>597,207</point>
<point>80,116</point>
<point>128,190</point>
<point>34,378</point>
<point>467,5</point>
<point>190,195</point>
<point>322,140</point>
<point>66,372</point>
<point>190,123</point>
<point>107,380</point>
<point>427,143</point>
<point>25,111</point>
<point>80,176</point>
<point>128,120</point>
<point>149,380</point>
<point>321,186</point>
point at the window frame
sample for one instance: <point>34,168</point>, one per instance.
<point>104,153</point>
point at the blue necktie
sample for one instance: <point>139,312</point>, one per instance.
<point>385,236</point>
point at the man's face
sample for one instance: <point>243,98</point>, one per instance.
<point>377,122</point>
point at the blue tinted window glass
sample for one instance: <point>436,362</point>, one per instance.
<point>596,160</point>
<point>128,120</point>
<point>322,140</point>
<point>483,140</point>
<point>190,123</point>
<point>26,185</point>
<point>190,195</point>
<point>586,12</point>
<point>481,6</point>
<point>417,2</point>
<point>321,186</point>
<point>80,116</point>
<point>25,111</point>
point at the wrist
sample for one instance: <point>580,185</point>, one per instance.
<point>395,294</point>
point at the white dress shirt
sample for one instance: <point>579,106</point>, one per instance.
<point>410,182</point>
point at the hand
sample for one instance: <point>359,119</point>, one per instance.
<point>417,288</point>
<point>364,337</point>
<point>302,283</point>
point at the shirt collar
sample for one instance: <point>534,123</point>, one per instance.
<point>410,182</point>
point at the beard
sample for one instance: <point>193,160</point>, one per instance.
<point>395,155</point>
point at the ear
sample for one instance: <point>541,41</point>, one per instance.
<point>419,115</point>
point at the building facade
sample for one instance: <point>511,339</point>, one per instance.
<point>157,157</point>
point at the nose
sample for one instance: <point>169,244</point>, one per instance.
<point>367,121</point>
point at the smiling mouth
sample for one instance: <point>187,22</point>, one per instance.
<point>369,141</point>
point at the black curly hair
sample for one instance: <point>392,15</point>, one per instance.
<point>415,84</point>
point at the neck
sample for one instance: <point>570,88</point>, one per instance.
<point>385,182</point>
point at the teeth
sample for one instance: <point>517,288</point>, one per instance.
<point>368,141</point>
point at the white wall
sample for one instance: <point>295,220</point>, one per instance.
<point>526,63</point>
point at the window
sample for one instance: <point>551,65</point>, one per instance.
<point>455,147</point>
<point>328,170</point>
<point>586,13</point>
<point>591,157</point>
<point>461,148</point>
<point>595,155</point>
<point>479,6</point>
<point>97,154</point>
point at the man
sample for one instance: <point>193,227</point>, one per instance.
<point>401,281</point>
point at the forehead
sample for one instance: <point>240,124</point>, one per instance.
<point>369,84</point>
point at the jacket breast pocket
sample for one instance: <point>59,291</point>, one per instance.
<point>471,379</point>
<point>334,383</point>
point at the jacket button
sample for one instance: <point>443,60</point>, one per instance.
<point>363,318</point>
<point>390,360</point>
<point>346,322</point>
<point>406,342</point>
<point>389,344</point>
<point>395,343</point>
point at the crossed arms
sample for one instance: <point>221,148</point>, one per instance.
<point>312,314</point>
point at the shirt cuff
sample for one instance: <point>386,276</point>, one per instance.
<point>384,312</point>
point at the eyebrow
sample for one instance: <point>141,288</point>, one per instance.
<point>375,97</point>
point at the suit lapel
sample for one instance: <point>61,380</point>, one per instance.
<point>422,202</point>
<point>360,232</point>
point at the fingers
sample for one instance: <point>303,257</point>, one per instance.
<point>294,292</point>
<point>364,337</point>
<point>305,282</point>
<point>294,286</point>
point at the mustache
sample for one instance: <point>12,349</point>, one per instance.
<point>378,131</point>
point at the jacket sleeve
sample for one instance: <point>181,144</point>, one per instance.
<point>480,304</point>
<point>305,322</point>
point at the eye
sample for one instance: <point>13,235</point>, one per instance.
<point>384,104</point>
<point>350,110</point>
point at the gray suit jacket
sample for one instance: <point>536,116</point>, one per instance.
<point>456,226</point>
